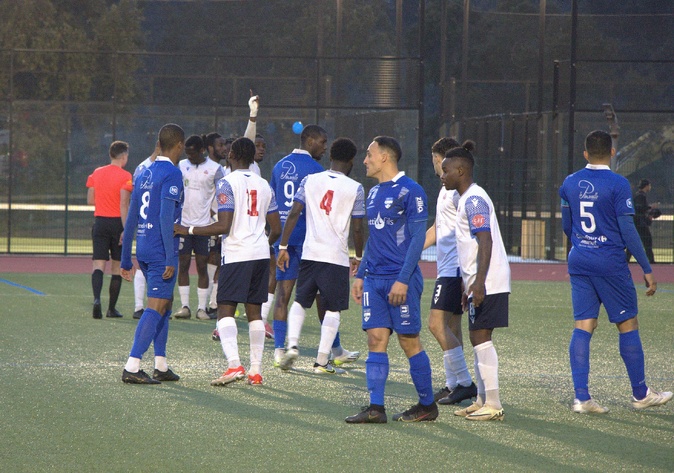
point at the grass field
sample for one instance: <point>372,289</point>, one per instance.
<point>64,407</point>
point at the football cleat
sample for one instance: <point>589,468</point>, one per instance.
<point>184,313</point>
<point>367,416</point>
<point>289,358</point>
<point>229,376</point>
<point>255,379</point>
<point>202,315</point>
<point>460,393</point>
<point>138,314</point>
<point>588,407</point>
<point>486,413</point>
<point>140,377</point>
<point>346,357</point>
<point>327,369</point>
<point>653,398</point>
<point>468,410</point>
<point>97,312</point>
<point>215,336</point>
<point>418,413</point>
<point>113,314</point>
<point>167,375</point>
<point>441,394</point>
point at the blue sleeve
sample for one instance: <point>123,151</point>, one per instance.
<point>633,243</point>
<point>166,216</point>
<point>566,218</point>
<point>418,236</point>
<point>130,231</point>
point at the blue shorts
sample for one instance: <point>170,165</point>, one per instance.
<point>378,313</point>
<point>197,243</point>
<point>293,269</point>
<point>616,292</point>
<point>158,287</point>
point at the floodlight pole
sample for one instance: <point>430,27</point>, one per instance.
<point>572,85</point>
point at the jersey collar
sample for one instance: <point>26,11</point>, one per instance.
<point>598,167</point>
<point>398,176</point>
<point>163,158</point>
<point>301,151</point>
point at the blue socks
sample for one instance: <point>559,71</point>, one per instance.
<point>280,333</point>
<point>632,354</point>
<point>337,343</point>
<point>161,336</point>
<point>420,370</point>
<point>579,355</point>
<point>145,332</point>
<point>376,373</point>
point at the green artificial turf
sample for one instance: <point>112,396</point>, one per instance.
<point>64,407</point>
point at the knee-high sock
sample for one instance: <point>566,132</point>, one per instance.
<point>138,290</point>
<point>115,288</point>
<point>160,339</point>
<point>266,307</point>
<point>478,380</point>
<point>184,296</point>
<point>488,362</point>
<point>579,356</point>
<point>145,333</point>
<point>256,336</point>
<point>337,343</point>
<point>230,347</point>
<point>329,330</point>
<point>213,300</point>
<point>376,373</point>
<point>455,360</point>
<point>296,316</point>
<point>632,354</point>
<point>202,298</point>
<point>420,370</point>
<point>280,331</point>
<point>97,283</point>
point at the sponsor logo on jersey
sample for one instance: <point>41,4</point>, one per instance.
<point>222,199</point>
<point>146,180</point>
<point>378,222</point>
<point>420,204</point>
<point>289,171</point>
<point>173,190</point>
<point>587,190</point>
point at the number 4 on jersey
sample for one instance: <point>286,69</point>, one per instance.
<point>326,202</point>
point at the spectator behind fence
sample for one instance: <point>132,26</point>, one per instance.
<point>643,217</point>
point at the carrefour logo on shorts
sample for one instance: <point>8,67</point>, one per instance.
<point>173,190</point>
<point>420,204</point>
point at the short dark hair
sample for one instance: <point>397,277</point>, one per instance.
<point>117,148</point>
<point>170,136</point>
<point>391,145</point>
<point>463,152</point>
<point>209,140</point>
<point>343,149</point>
<point>443,145</point>
<point>229,141</point>
<point>598,143</point>
<point>312,131</point>
<point>244,150</point>
<point>195,142</point>
<point>643,183</point>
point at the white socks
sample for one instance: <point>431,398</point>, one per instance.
<point>295,321</point>
<point>230,347</point>
<point>212,285</point>
<point>456,370</point>
<point>132,365</point>
<point>329,330</point>
<point>202,298</point>
<point>486,363</point>
<point>266,307</point>
<point>184,296</point>
<point>160,363</point>
<point>256,336</point>
<point>139,287</point>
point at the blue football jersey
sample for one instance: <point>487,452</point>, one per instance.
<point>285,180</point>
<point>596,197</point>
<point>390,207</point>
<point>160,181</point>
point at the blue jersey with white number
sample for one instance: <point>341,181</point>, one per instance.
<point>286,178</point>
<point>596,197</point>
<point>390,207</point>
<point>162,181</point>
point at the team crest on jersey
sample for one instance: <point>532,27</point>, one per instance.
<point>173,190</point>
<point>404,311</point>
<point>186,183</point>
<point>366,314</point>
<point>587,191</point>
<point>477,221</point>
<point>222,199</point>
<point>629,203</point>
<point>388,202</point>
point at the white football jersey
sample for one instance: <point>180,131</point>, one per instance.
<point>251,199</point>
<point>445,234</point>
<point>475,213</point>
<point>199,181</point>
<point>330,200</point>
<point>255,168</point>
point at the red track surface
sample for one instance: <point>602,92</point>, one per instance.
<point>664,273</point>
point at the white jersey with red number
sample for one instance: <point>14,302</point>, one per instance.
<point>251,199</point>
<point>199,181</point>
<point>475,213</point>
<point>445,233</point>
<point>330,200</point>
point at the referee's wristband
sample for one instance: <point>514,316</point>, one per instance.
<point>191,230</point>
<point>283,247</point>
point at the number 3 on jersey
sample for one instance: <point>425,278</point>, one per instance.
<point>586,214</point>
<point>326,202</point>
